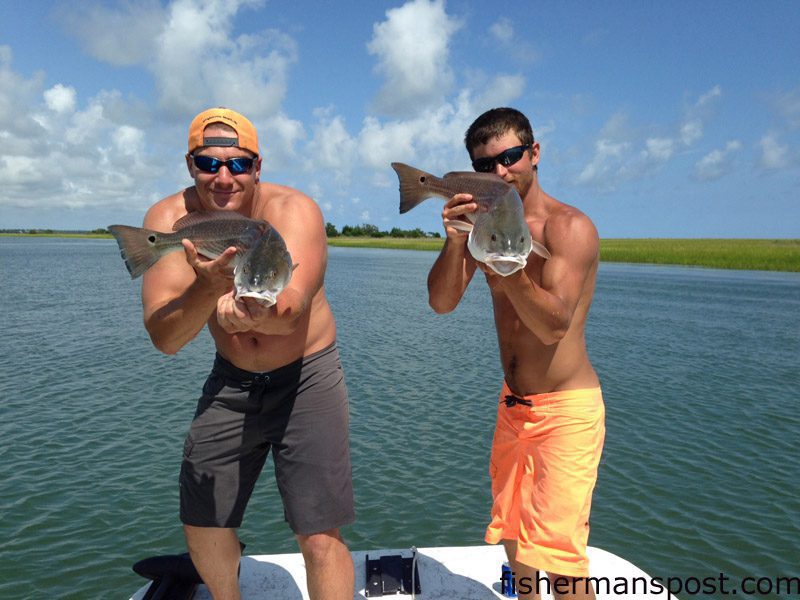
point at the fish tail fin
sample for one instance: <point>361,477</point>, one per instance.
<point>137,247</point>
<point>412,188</point>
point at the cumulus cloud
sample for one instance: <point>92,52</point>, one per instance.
<point>503,34</point>
<point>17,95</point>
<point>502,31</point>
<point>332,146</point>
<point>55,153</point>
<point>610,151</point>
<point>60,98</point>
<point>191,45</point>
<point>113,150</point>
<point>774,155</point>
<point>622,152</point>
<point>660,149</point>
<point>691,131</point>
<point>788,107</point>
<point>717,163</point>
<point>120,36</point>
<point>412,46</point>
<point>607,161</point>
<point>110,150</point>
<point>501,90</point>
<point>196,50</point>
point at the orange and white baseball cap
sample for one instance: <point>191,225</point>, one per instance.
<point>247,138</point>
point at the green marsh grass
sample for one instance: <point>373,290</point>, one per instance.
<point>759,255</point>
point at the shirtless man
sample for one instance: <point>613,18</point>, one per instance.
<point>550,419</point>
<point>276,381</point>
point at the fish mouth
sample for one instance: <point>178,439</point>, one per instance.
<point>505,265</point>
<point>264,298</point>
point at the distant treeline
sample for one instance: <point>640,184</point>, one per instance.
<point>366,230</point>
<point>98,231</point>
<point>372,231</point>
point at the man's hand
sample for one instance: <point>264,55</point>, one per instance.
<point>216,273</point>
<point>233,315</point>
<point>455,209</point>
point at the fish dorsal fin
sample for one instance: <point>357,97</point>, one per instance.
<point>193,218</point>
<point>475,175</point>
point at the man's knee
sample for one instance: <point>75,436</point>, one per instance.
<point>320,546</point>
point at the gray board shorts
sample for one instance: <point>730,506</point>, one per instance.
<point>300,411</point>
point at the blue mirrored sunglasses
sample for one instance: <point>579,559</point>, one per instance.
<point>505,158</point>
<point>236,166</point>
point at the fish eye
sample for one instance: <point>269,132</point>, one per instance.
<point>151,239</point>
<point>494,237</point>
<point>522,239</point>
<point>422,179</point>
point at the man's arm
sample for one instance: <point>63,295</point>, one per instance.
<point>454,268</point>
<point>180,292</point>
<point>547,309</point>
<point>302,228</point>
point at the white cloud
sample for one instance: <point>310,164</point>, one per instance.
<point>413,46</point>
<point>191,45</point>
<point>433,140</point>
<point>128,140</point>
<point>60,98</point>
<point>502,91</point>
<point>17,96</point>
<point>279,135</point>
<point>55,154</point>
<point>788,106</point>
<point>622,153</point>
<point>717,163</point>
<point>119,36</point>
<point>709,97</point>
<point>659,149</point>
<point>197,51</point>
<point>332,146</point>
<point>502,33</point>
<point>774,155</point>
<point>691,131</point>
<point>606,162</point>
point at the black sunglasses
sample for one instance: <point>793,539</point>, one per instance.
<point>209,164</point>
<point>505,158</point>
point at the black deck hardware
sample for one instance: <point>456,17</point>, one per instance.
<point>173,576</point>
<point>391,574</point>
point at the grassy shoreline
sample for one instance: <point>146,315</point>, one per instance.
<point>748,254</point>
<point>743,254</point>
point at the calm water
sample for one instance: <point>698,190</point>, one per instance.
<point>700,370</point>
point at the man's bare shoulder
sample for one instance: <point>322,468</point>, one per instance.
<point>567,227</point>
<point>569,223</point>
<point>280,202</point>
<point>163,214</point>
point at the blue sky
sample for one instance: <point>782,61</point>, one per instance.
<point>670,119</point>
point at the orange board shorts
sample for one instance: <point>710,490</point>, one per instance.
<point>543,469</point>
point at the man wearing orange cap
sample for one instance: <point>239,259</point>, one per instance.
<point>277,381</point>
